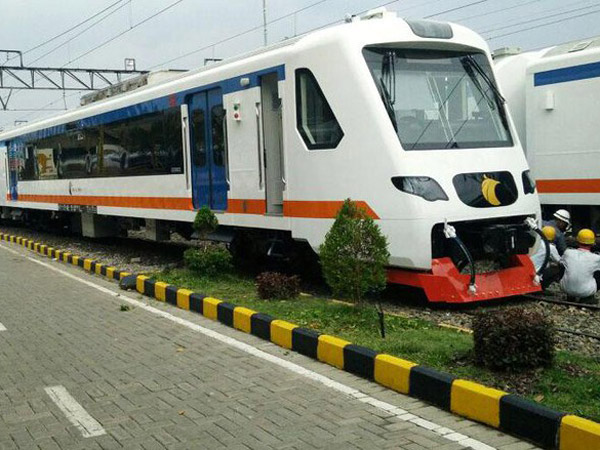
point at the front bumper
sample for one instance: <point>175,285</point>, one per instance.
<point>445,284</point>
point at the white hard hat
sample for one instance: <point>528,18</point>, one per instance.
<point>563,214</point>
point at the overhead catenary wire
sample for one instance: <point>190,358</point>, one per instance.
<point>458,8</point>
<point>589,13</point>
<point>74,27</point>
<point>241,33</point>
<point>102,19</point>
<point>77,35</point>
<point>537,19</point>
<point>489,13</point>
<point>250,30</point>
<point>97,47</point>
<point>121,34</point>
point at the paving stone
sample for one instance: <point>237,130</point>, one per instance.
<point>153,384</point>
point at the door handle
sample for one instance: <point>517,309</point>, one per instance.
<point>259,145</point>
<point>186,145</point>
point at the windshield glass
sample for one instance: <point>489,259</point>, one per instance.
<point>439,99</point>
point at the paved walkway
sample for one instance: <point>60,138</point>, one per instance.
<point>77,372</point>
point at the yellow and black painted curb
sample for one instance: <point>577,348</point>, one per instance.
<point>509,413</point>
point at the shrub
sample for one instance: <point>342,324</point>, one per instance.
<point>513,339</point>
<point>354,254</point>
<point>277,285</point>
<point>209,261</point>
<point>205,222</point>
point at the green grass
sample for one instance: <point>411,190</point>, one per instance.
<point>572,385</point>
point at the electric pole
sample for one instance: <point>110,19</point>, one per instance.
<point>265,22</point>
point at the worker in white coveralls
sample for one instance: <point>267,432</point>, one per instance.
<point>552,270</point>
<point>580,266</point>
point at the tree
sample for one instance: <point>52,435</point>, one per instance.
<point>354,254</point>
<point>209,259</point>
<point>205,222</point>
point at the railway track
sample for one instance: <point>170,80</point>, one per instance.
<point>560,302</point>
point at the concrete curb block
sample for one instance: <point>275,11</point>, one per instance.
<point>509,413</point>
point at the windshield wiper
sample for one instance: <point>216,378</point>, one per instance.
<point>475,65</point>
<point>387,101</point>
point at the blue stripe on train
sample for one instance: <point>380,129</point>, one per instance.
<point>158,104</point>
<point>573,73</point>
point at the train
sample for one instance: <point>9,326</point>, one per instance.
<point>553,95</point>
<point>402,116</point>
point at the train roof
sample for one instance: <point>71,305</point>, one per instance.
<point>574,46</point>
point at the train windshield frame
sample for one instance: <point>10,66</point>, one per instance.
<point>439,99</point>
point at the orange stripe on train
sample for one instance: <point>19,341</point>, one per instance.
<point>320,209</point>
<point>582,186</point>
<point>315,209</point>
<point>126,202</point>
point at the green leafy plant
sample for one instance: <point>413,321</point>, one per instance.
<point>513,339</point>
<point>210,261</point>
<point>277,285</point>
<point>205,222</point>
<point>354,254</point>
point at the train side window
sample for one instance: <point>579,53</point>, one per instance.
<point>28,167</point>
<point>218,134</point>
<point>172,145</point>
<point>199,138</point>
<point>314,118</point>
<point>148,144</point>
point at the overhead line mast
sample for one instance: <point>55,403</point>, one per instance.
<point>265,22</point>
<point>58,78</point>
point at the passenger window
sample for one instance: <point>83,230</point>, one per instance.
<point>314,118</point>
<point>218,134</point>
<point>199,143</point>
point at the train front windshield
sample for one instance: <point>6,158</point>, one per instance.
<point>439,99</point>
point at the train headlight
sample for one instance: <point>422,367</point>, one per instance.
<point>424,187</point>
<point>528,182</point>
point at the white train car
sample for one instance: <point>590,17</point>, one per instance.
<point>553,95</point>
<point>401,116</point>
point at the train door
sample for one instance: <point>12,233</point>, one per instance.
<point>209,150</point>
<point>16,160</point>
<point>272,143</point>
<point>3,174</point>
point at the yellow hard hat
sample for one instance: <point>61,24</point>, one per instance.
<point>586,237</point>
<point>549,232</point>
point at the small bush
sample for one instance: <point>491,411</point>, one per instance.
<point>205,222</point>
<point>209,261</point>
<point>513,339</point>
<point>354,254</point>
<point>277,285</point>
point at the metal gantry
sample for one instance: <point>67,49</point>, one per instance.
<point>61,78</point>
<point>22,77</point>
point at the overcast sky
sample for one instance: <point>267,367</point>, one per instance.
<point>197,24</point>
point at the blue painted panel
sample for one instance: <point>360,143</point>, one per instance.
<point>209,184</point>
<point>16,155</point>
<point>227,86</point>
<point>200,145</point>
<point>566,74</point>
<point>218,181</point>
